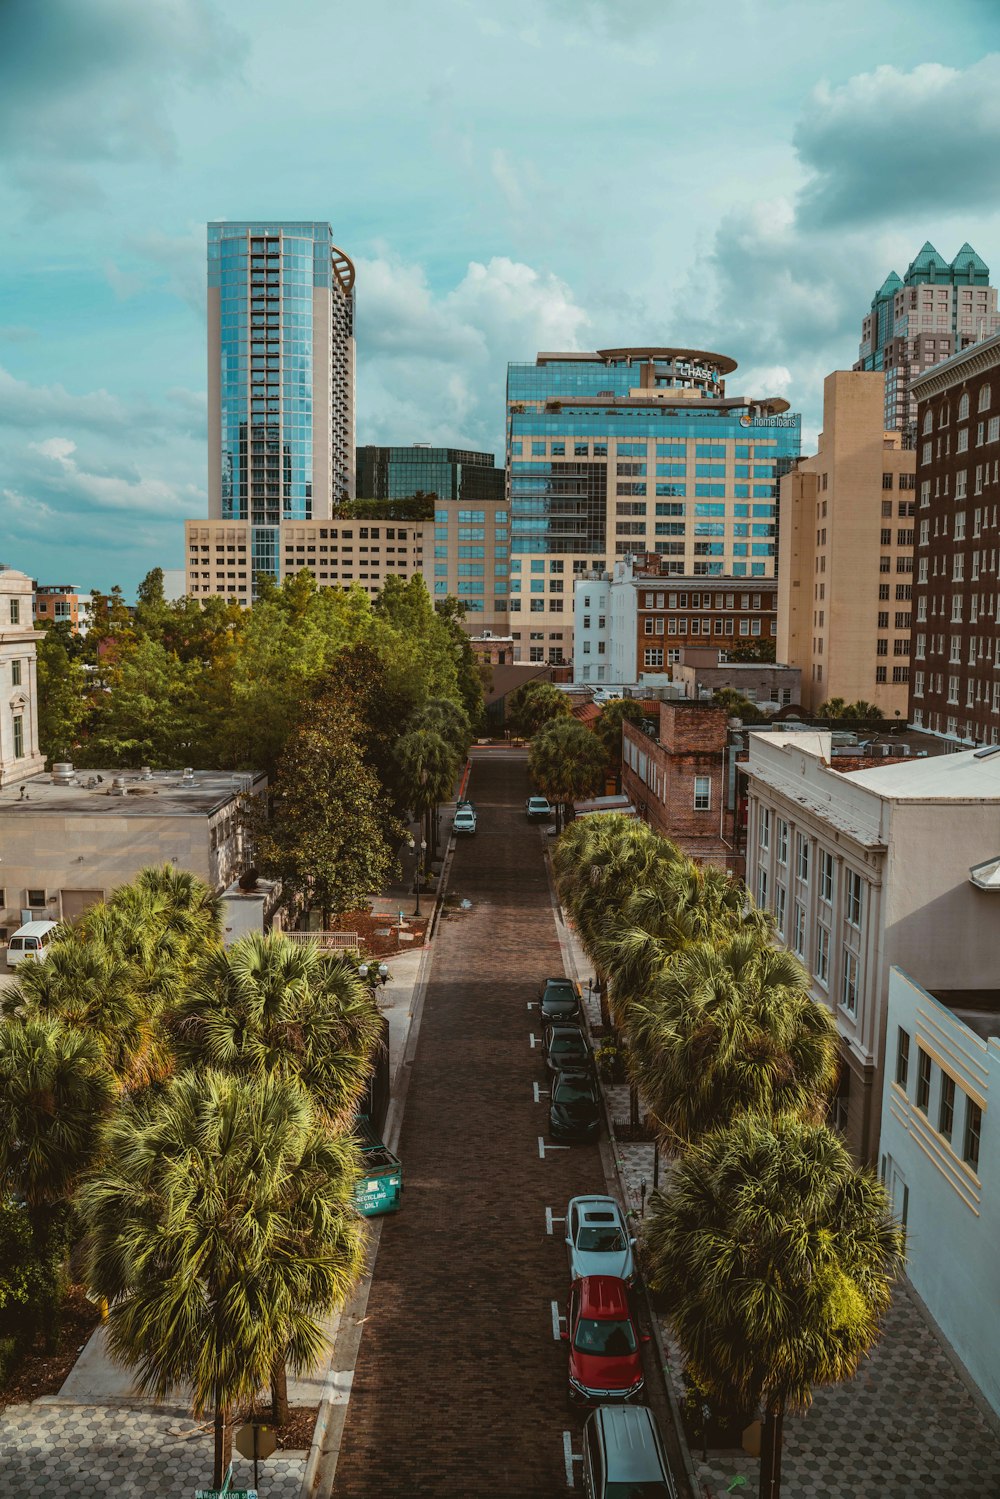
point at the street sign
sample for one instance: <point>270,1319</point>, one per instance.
<point>254,1441</point>
<point>225,1494</point>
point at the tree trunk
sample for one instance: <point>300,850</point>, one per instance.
<point>770,1452</point>
<point>279,1391</point>
<point>633,1105</point>
<point>223,1445</point>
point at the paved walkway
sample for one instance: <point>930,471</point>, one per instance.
<point>907,1427</point>
<point>459,1386</point>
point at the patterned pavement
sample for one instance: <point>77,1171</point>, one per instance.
<point>906,1427</point>
<point>94,1452</point>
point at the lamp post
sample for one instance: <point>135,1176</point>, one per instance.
<point>416,877</point>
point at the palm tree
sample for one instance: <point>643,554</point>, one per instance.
<point>446,718</point>
<point>54,1092</point>
<point>774,1256</point>
<point>429,767</point>
<point>221,1230</point>
<point>566,761</point>
<point>535,704</point>
<point>728,1030</point>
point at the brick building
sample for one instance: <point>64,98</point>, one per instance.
<point>955,687</point>
<point>675,774</point>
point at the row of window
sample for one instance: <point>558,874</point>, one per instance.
<point>971,1124</point>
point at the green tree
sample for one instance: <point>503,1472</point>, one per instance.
<point>324,840</point>
<point>738,706</point>
<point>774,1257</point>
<point>429,765</point>
<point>833,708</point>
<point>863,711</point>
<point>597,861</point>
<point>468,672</point>
<point>533,705</point>
<point>566,762</point>
<point>752,650</point>
<point>62,701</point>
<point>608,728</point>
<point>221,1230</point>
<point>727,1030</point>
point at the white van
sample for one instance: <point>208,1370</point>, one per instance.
<point>30,941</point>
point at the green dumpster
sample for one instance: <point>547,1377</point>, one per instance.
<point>380,1189</point>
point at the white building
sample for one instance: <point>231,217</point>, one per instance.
<point>940,1155</point>
<point>605,626</point>
<point>20,756</point>
<point>867,869</point>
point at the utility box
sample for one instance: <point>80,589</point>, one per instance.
<point>246,911</point>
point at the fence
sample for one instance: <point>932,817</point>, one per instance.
<point>335,941</point>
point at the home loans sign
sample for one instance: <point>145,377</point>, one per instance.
<point>769,421</point>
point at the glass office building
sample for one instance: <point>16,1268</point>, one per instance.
<point>449,473</point>
<point>281,377</point>
<point>627,451</point>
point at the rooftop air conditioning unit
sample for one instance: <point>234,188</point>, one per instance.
<point>62,773</point>
<point>119,786</point>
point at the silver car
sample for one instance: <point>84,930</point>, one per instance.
<point>598,1240</point>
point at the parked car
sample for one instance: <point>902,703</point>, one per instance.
<point>465,819</point>
<point>623,1453</point>
<point>597,1239</point>
<point>30,941</point>
<point>605,1355</point>
<point>575,1106</point>
<point>566,1047</point>
<point>559,999</point>
<point>538,809</point>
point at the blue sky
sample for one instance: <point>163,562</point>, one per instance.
<point>506,177</point>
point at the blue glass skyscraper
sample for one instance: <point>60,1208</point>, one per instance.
<point>280,377</point>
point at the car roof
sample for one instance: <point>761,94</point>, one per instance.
<point>596,1203</point>
<point>564,1025</point>
<point>562,981</point>
<point>36,928</point>
<point>576,1075</point>
<point>629,1437</point>
<point>602,1296</point>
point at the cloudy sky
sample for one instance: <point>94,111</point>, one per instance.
<point>506,177</point>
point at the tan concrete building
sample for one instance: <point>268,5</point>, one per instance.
<point>68,840</point>
<point>20,756</point>
<point>845,553</point>
<point>64,603</point>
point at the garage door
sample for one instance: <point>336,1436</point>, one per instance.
<point>75,902</point>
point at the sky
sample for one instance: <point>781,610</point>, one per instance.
<point>536,174</point>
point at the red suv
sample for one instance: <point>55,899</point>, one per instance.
<point>605,1360</point>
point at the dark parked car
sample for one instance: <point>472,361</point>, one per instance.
<point>566,1048</point>
<point>575,1109</point>
<point>559,999</point>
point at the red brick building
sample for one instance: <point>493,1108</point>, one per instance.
<point>676,775</point>
<point>675,612</point>
<point>954,649</point>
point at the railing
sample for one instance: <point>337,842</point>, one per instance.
<point>328,940</point>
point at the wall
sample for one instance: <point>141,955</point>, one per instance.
<point>659,778</point>
<point>18,642</point>
<point>952,1211</point>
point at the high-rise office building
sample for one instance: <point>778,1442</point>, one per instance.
<point>628,451</point>
<point>845,556</point>
<point>955,684</point>
<point>280,378</point>
<point>450,473</point>
<point>937,309</point>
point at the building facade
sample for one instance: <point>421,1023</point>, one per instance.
<point>63,603</point>
<point>280,378</point>
<point>636,450</point>
<point>955,689</point>
<point>20,756</point>
<point>452,474</point>
<point>865,869</point>
<point>845,565</point>
<point>936,310</point>
<point>940,1159</point>
<point>674,774</point>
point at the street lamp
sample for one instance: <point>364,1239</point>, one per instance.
<point>416,877</point>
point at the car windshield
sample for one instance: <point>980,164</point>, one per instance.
<point>653,1489</point>
<point>574,1090</point>
<point>601,1240</point>
<point>568,1043</point>
<point>613,1339</point>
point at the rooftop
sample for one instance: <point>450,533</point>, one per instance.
<point>979,1009</point>
<point>969,775</point>
<point>93,793</point>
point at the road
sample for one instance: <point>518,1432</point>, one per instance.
<point>460,1386</point>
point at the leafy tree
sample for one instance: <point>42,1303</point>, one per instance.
<point>469,674</point>
<point>774,1257</point>
<point>737,705</point>
<point>534,704</point>
<point>727,1030</point>
<point>608,728</point>
<point>30,1287</point>
<point>324,840</point>
<point>62,702</point>
<point>761,650</point>
<point>566,761</point>
<point>597,860</point>
<point>221,1230</point>
<point>833,708</point>
<point>863,711</point>
<point>149,713</point>
<point>54,1091</point>
<point>429,766</point>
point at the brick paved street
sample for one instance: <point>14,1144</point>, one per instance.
<point>459,1387</point>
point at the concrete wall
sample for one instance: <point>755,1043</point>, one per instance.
<point>18,643</point>
<point>952,1211</point>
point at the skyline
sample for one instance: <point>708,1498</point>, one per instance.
<point>554,176</point>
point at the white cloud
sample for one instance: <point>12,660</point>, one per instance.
<point>136,495</point>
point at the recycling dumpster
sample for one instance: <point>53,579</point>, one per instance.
<point>380,1189</point>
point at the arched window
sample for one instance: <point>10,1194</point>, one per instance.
<point>944,414</point>
<point>928,420</point>
<point>985,397</point>
<point>963,408</point>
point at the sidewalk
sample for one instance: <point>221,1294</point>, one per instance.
<point>907,1425</point>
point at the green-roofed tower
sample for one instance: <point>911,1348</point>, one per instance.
<point>935,310</point>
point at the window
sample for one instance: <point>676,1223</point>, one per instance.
<point>924,1065</point>
<point>764,827</point>
<point>779,909</point>
<point>973,1130</point>
<point>799,929</point>
<point>886,481</point>
<point>902,1057</point>
<point>36,897</point>
<point>762,889</point>
<point>854,888</point>
<point>653,655</point>
<point>849,986</point>
<point>702,793</point>
<point>946,1111</point>
<point>15,611</point>
<point>15,673</point>
<point>782,841</point>
<point>822,955</point>
<point>18,737</point>
<point>802,857</point>
<point>826,877</point>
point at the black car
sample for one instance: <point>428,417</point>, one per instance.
<point>575,1110</point>
<point>566,1048</point>
<point>559,999</point>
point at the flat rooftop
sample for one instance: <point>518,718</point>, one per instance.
<point>92,793</point>
<point>979,1009</point>
<point>968,775</point>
